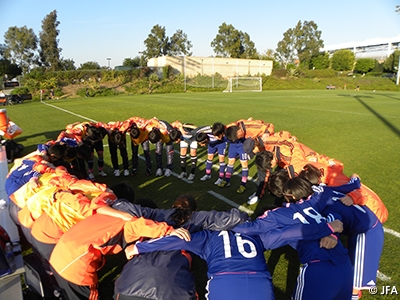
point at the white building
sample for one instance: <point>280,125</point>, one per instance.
<point>191,66</point>
<point>377,48</point>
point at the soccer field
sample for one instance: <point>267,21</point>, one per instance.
<point>361,129</point>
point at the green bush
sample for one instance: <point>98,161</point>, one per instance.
<point>20,90</point>
<point>326,73</point>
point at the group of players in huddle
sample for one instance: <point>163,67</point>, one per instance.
<point>73,222</point>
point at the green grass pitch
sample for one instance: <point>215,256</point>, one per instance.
<point>361,129</point>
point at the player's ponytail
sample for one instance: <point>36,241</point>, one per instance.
<point>185,205</point>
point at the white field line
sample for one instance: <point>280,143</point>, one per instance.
<point>231,203</point>
<point>69,112</point>
<point>392,232</point>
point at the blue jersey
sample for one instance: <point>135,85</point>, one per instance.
<point>190,135</point>
<point>18,177</point>
<point>365,232</point>
<point>224,251</point>
<point>233,260</point>
<point>356,219</point>
<point>302,212</point>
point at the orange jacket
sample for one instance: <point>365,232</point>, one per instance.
<point>75,131</point>
<point>80,252</point>
<point>252,128</point>
<point>64,198</point>
<point>141,124</point>
<point>45,230</point>
<point>298,155</point>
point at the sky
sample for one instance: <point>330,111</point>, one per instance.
<point>98,30</point>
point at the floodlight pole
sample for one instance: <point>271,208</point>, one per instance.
<point>184,73</point>
<point>398,73</point>
<point>213,72</point>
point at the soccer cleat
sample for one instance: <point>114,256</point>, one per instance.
<point>183,174</point>
<point>205,177</point>
<point>126,172</point>
<point>167,173</point>
<point>116,173</point>
<point>219,180</point>
<point>91,176</point>
<point>134,172</point>
<point>224,184</point>
<point>191,176</point>
<point>252,195</point>
<point>148,171</point>
<point>253,200</point>
<point>241,189</point>
<point>102,173</point>
<point>159,172</point>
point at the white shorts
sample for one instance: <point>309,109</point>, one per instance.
<point>185,144</point>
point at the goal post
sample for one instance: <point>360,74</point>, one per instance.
<point>244,84</point>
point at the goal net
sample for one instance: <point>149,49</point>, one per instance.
<point>205,81</point>
<point>244,84</point>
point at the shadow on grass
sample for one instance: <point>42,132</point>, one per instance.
<point>389,125</point>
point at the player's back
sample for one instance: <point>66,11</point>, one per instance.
<point>230,252</point>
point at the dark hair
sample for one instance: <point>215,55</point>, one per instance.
<point>231,133</point>
<point>185,205</point>
<point>123,191</point>
<point>56,152</point>
<point>154,135</point>
<point>263,160</point>
<point>218,128</point>
<point>276,182</point>
<point>84,151</point>
<point>202,137</point>
<point>311,173</point>
<point>70,153</point>
<point>134,131</point>
<point>175,134</point>
<point>93,134</point>
<point>103,132</point>
<point>297,188</point>
<point>118,138</point>
<point>146,202</point>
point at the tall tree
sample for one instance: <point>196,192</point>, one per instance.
<point>179,44</point>
<point>20,47</point>
<point>285,51</point>
<point>156,43</point>
<point>67,64</point>
<point>230,42</point>
<point>302,42</point>
<point>89,65</point>
<point>131,62</point>
<point>6,67</point>
<point>247,46</point>
<point>49,50</point>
